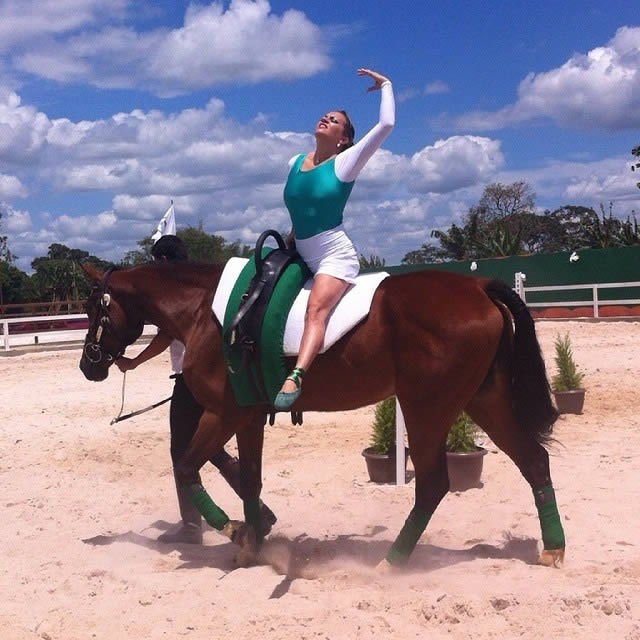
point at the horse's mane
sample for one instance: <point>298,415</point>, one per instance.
<point>196,274</point>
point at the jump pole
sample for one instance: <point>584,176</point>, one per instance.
<point>400,452</point>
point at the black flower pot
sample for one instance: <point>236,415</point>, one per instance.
<point>465,469</point>
<point>569,401</point>
<point>382,467</point>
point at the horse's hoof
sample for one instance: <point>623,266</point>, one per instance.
<point>232,529</point>
<point>551,558</point>
<point>267,519</point>
<point>244,536</point>
<point>385,568</point>
<point>246,557</point>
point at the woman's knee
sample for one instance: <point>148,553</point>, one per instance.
<point>316,313</point>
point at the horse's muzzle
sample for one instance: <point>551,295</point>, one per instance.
<point>93,371</point>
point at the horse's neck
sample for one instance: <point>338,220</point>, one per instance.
<point>172,298</point>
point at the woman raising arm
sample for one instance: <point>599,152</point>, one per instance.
<point>316,192</point>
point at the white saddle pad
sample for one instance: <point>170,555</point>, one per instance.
<point>352,308</point>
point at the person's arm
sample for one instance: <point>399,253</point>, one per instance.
<point>349,163</point>
<point>159,344</point>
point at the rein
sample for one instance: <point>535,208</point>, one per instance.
<point>95,352</point>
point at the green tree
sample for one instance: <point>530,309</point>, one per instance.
<point>501,202</point>
<point>210,248</point>
<point>500,239</point>
<point>496,226</point>
<point>426,254</point>
<point>58,275</point>
<point>372,262</point>
<point>138,256</point>
<point>201,247</point>
<point>635,152</point>
<point>601,233</point>
<point>13,284</point>
<point>629,231</point>
<point>7,272</point>
<point>5,254</point>
<point>457,243</point>
<point>505,223</point>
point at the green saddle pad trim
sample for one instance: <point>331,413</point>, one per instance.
<point>271,362</point>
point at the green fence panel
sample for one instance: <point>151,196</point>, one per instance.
<point>594,266</point>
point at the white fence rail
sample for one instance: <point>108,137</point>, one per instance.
<point>595,303</point>
<point>45,335</point>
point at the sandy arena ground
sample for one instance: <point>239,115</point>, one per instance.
<point>83,502</point>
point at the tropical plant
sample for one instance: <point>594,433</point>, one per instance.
<point>426,254</point>
<point>630,231</point>
<point>372,262</point>
<point>601,234</point>
<point>567,377</point>
<point>635,152</point>
<point>383,431</point>
<point>461,436</point>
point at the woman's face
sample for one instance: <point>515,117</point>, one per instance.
<point>331,128</point>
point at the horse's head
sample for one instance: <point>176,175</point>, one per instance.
<point>112,327</point>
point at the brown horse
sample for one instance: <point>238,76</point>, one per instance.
<point>441,342</point>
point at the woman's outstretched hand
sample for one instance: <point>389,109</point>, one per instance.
<point>377,78</point>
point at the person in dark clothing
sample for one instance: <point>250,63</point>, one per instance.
<point>184,415</point>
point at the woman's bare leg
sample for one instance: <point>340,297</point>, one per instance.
<point>325,294</point>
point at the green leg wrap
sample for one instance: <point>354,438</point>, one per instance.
<point>408,537</point>
<point>552,533</point>
<point>252,517</point>
<point>210,511</point>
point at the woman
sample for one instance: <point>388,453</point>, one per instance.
<point>317,189</point>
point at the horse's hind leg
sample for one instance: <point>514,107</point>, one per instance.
<point>491,408</point>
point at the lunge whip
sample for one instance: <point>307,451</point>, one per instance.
<point>120,417</point>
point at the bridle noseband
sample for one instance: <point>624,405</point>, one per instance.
<point>93,350</point>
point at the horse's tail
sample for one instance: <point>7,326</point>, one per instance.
<point>531,394</point>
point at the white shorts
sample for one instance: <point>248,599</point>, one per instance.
<point>331,253</point>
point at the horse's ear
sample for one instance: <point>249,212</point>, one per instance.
<point>91,272</point>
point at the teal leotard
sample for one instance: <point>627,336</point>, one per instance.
<point>315,198</point>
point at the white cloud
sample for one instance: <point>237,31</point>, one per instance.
<point>13,220</point>
<point>95,225</point>
<point>11,187</point>
<point>22,129</point>
<point>230,176</point>
<point>430,89</point>
<point>26,20</point>
<point>584,183</point>
<point>455,163</point>
<point>244,42</point>
<point>599,89</point>
<point>437,86</point>
<point>406,94</point>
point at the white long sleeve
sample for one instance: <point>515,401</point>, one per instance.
<point>349,163</point>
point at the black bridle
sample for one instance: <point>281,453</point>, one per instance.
<point>93,349</point>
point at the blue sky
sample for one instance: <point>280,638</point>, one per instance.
<point>110,108</point>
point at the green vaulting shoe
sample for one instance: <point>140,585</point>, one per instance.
<point>284,400</point>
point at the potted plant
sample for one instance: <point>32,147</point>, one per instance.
<point>380,456</point>
<point>464,456</point>
<point>567,382</point>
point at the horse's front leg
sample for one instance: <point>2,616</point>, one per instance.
<point>210,437</point>
<point>250,440</point>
